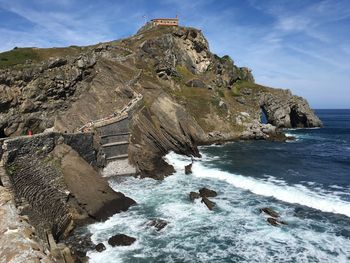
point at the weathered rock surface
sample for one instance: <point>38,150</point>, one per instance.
<point>275,222</point>
<point>121,240</point>
<point>269,211</point>
<point>18,239</point>
<point>190,96</point>
<point>158,224</point>
<point>284,110</point>
<point>188,168</point>
<point>161,128</point>
<point>100,247</point>
<point>194,195</point>
<point>56,186</point>
<point>205,192</point>
<point>208,203</point>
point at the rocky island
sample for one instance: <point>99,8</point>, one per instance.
<point>120,105</point>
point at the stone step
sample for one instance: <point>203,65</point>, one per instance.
<point>114,138</point>
<point>121,156</point>
<point>115,143</point>
<point>115,134</point>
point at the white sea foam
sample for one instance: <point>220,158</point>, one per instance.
<point>297,194</point>
<point>234,232</point>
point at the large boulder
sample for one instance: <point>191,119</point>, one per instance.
<point>269,211</point>
<point>121,240</point>
<point>285,110</point>
<point>205,192</point>
<point>158,224</point>
<point>275,222</point>
<point>208,203</point>
<point>194,195</point>
<point>100,247</point>
<point>195,83</point>
<point>188,169</point>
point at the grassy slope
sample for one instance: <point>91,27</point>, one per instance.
<point>19,56</point>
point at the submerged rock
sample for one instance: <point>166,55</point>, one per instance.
<point>275,222</point>
<point>100,247</point>
<point>208,203</point>
<point>205,192</point>
<point>188,169</point>
<point>121,240</point>
<point>270,212</point>
<point>194,195</point>
<point>158,224</point>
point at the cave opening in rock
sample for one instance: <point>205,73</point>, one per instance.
<point>2,133</point>
<point>263,116</point>
<point>296,120</point>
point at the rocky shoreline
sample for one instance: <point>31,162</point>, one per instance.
<point>158,91</point>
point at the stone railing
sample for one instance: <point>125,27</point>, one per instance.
<point>119,114</point>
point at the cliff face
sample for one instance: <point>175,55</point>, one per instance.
<point>56,186</point>
<point>189,95</point>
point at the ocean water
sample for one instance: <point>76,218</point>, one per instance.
<point>306,180</point>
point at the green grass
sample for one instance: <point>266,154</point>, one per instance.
<point>236,90</point>
<point>184,72</point>
<point>18,57</point>
<point>221,93</point>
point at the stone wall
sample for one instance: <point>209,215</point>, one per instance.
<point>44,143</point>
<point>36,178</point>
<point>55,184</point>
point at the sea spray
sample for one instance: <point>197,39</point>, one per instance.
<point>234,231</point>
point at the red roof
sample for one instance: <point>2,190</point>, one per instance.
<point>165,19</point>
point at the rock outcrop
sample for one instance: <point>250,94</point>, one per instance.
<point>205,192</point>
<point>56,187</point>
<point>190,95</point>
<point>186,96</point>
<point>269,211</point>
<point>100,247</point>
<point>18,240</point>
<point>121,240</point>
<point>284,110</point>
<point>158,224</point>
<point>208,203</point>
<point>158,129</point>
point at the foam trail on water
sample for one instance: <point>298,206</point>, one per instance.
<point>297,194</point>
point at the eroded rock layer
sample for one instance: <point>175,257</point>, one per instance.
<point>189,96</point>
<point>55,186</point>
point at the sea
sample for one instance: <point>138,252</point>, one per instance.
<point>306,180</point>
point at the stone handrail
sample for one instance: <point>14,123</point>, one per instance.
<point>121,113</point>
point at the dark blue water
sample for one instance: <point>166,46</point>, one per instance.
<point>306,180</point>
<point>320,157</point>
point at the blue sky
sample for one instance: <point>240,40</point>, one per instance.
<point>303,45</point>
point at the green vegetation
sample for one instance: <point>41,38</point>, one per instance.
<point>18,57</point>
<point>236,91</point>
<point>224,59</point>
<point>221,93</point>
<point>184,72</point>
<point>12,169</point>
<point>197,102</point>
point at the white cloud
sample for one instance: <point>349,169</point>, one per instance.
<point>297,48</point>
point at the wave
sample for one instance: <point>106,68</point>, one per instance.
<point>270,187</point>
<point>294,129</point>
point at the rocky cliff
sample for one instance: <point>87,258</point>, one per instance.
<point>166,90</point>
<point>190,96</point>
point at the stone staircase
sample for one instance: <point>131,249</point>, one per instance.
<point>114,140</point>
<point>113,132</point>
